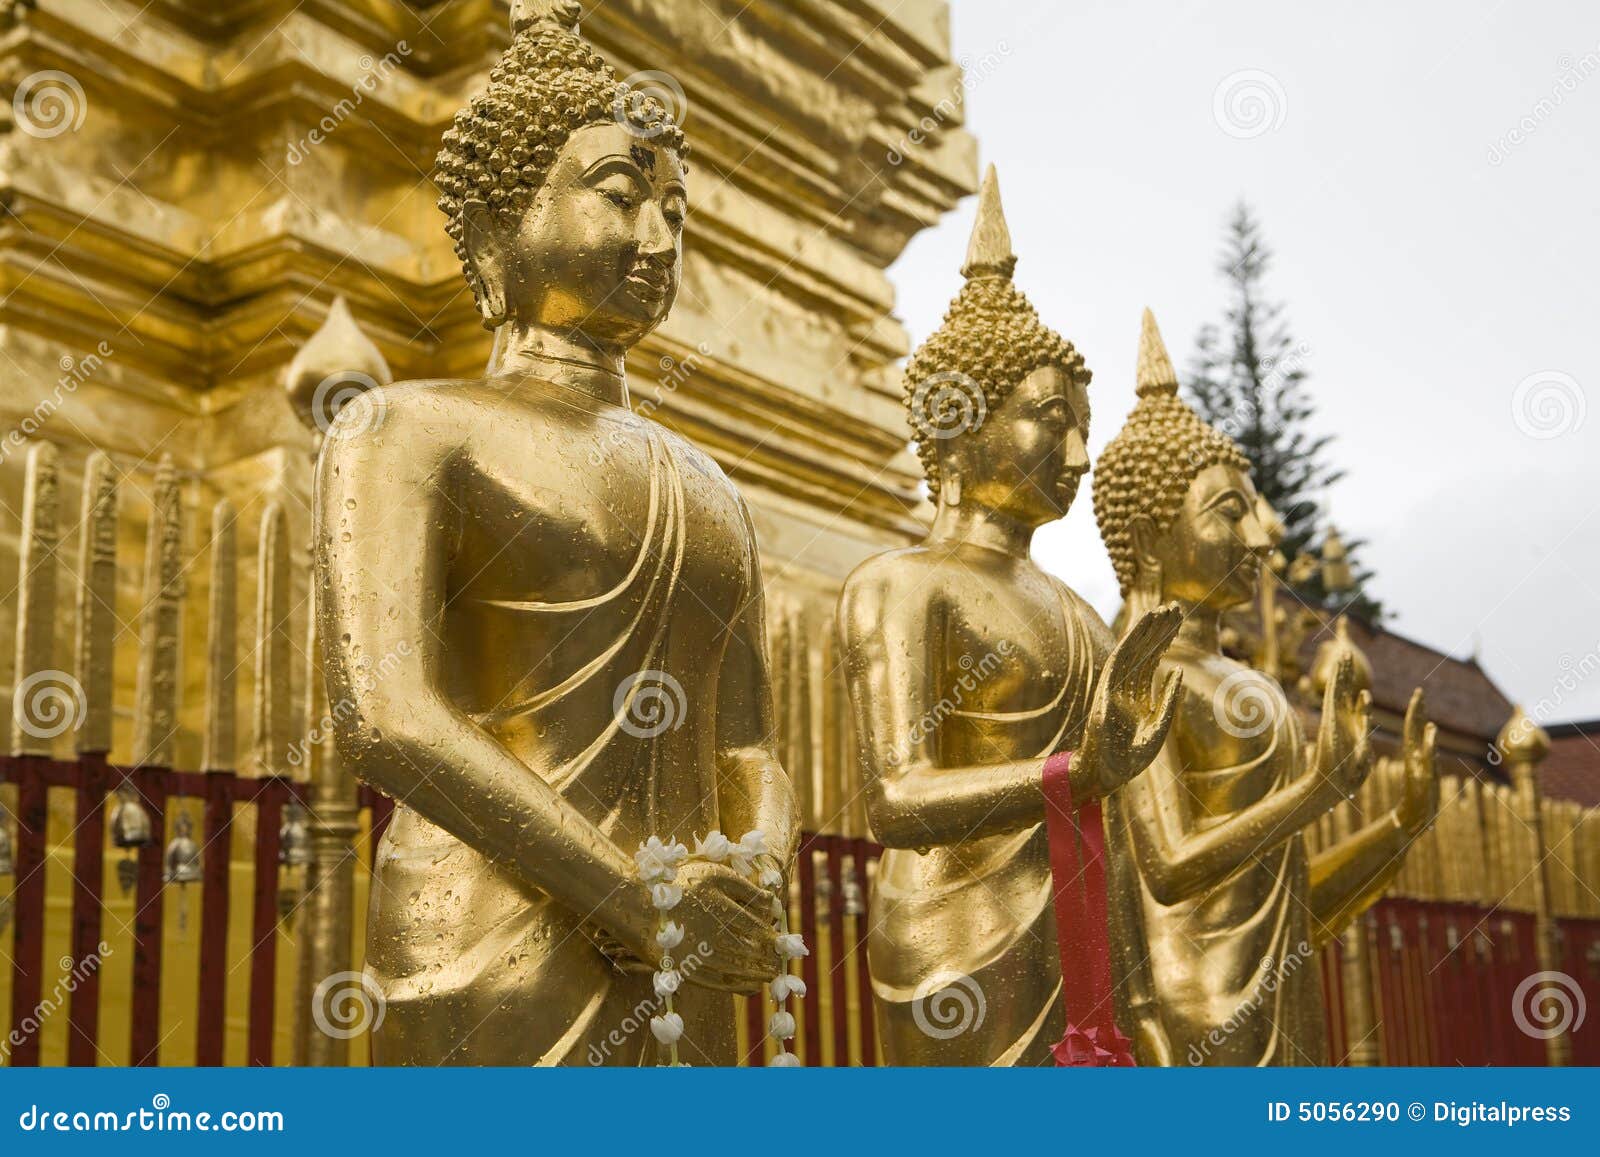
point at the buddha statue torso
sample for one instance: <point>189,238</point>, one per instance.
<point>1217,909</point>
<point>1234,957</point>
<point>962,936</point>
<point>542,615</point>
<point>968,668</point>
<point>537,643</point>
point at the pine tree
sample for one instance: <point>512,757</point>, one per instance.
<point>1248,378</point>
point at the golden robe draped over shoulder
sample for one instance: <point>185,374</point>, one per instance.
<point>991,898</point>
<point>476,965</point>
<point>1226,976</point>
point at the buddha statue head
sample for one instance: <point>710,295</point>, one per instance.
<point>1177,510</point>
<point>564,191</point>
<point>998,402</point>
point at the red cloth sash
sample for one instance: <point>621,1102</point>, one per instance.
<point>1092,1038</point>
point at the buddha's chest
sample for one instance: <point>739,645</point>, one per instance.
<point>1015,672</point>
<point>1238,736</point>
<point>614,513</point>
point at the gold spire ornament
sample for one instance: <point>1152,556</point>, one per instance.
<point>969,668</point>
<point>1217,907</point>
<point>1337,577</point>
<point>546,663</point>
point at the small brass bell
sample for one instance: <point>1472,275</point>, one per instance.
<point>294,837</point>
<point>855,901</point>
<point>183,855</point>
<point>294,853</point>
<point>182,865</point>
<point>824,899</point>
<point>130,831</point>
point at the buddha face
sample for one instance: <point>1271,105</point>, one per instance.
<point>1030,453</point>
<point>597,254</point>
<point>1212,553</point>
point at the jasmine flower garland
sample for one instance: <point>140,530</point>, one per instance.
<point>657,864</point>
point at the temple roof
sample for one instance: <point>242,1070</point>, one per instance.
<point>1572,769</point>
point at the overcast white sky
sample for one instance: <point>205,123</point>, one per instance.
<point>1442,273</point>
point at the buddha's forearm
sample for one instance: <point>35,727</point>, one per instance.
<point>1197,861</point>
<point>926,807</point>
<point>757,794</point>
<point>1349,877</point>
<point>452,773</point>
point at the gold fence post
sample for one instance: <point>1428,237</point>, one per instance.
<point>336,364</point>
<point>1524,744</point>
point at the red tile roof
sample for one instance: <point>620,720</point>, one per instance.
<point>1572,770</point>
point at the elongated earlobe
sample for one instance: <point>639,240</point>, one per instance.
<point>487,265</point>
<point>950,489</point>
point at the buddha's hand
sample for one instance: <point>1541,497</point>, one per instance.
<point>1419,798</point>
<point>728,929</point>
<point>1128,722</point>
<point>1343,753</point>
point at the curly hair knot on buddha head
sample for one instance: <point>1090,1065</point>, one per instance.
<point>548,84</point>
<point>1149,465</point>
<point>990,340</point>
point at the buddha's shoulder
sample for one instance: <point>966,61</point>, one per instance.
<point>452,411</point>
<point>1076,605</point>
<point>903,584</point>
<point>897,571</point>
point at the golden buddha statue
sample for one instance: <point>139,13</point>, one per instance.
<point>1217,909</point>
<point>547,664</point>
<point>969,667</point>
